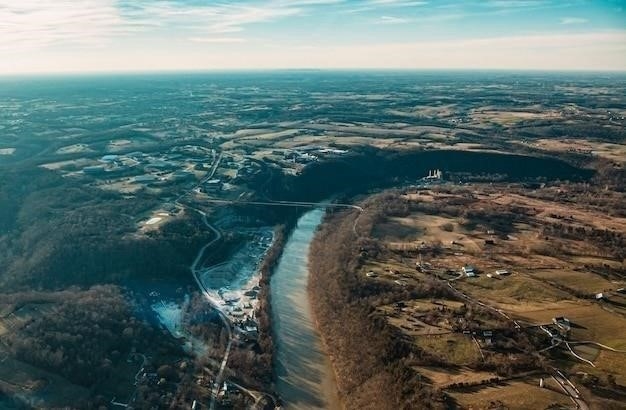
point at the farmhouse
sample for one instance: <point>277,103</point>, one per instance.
<point>562,322</point>
<point>469,271</point>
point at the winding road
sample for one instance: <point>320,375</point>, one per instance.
<point>569,389</point>
<point>255,394</point>
<point>195,269</point>
<point>214,303</point>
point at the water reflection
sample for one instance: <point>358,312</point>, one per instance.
<point>304,376</point>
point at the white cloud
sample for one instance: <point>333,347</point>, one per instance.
<point>573,20</point>
<point>392,20</point>
<point>584,51</point>
<point>27,24</point>
<point>56,27</point>
<point>383,4</point>
<point>397,3</point>
<point>515,3</point>
<point>218,40</point>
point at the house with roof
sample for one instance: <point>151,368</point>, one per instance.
<point>562,322</point>
<point>469,271</point>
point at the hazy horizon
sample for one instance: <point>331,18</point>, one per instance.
<point>281,70</point>
<point>111,36</point>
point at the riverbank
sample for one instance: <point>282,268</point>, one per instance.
<point>370,362</point>
<point>304,373</point>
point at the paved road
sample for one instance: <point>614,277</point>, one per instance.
<point>255,394</point>
<point>569,389</point>
<point>194,271</point>
<point>600,345</point>
<point>214,304</point>
<point>285,203</point>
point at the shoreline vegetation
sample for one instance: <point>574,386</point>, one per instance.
<point>262,367</point>
<point>327,351</point>
<point>367,356</point>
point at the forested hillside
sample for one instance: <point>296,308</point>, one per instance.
<point>56,232</point>
<point>373,364</point>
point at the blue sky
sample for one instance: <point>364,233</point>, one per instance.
<point>137,35</point>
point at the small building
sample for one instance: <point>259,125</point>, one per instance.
<point>502,272</point>
<point>469,271</point>
<point>371,274</point>
<point>109,158</point>
<point>487,336</point>
<point>562,322</point>
<point>308,157</point>
<point>144,179</point>
<point>434,174</point>
<point>223,393</point>
<point>599,296</point>
<point>213,185</point>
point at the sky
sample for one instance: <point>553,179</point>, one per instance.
<point>84,36</point>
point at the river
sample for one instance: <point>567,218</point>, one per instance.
<point>304,376</point>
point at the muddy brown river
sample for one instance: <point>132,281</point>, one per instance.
<point>305,379</point>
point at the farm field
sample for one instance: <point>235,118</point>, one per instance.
<point>521,268</point>
<point>520,395</point>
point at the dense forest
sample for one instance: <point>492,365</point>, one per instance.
<point>56,232</point>
<point>85,336</point>
<point>369,168</point>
